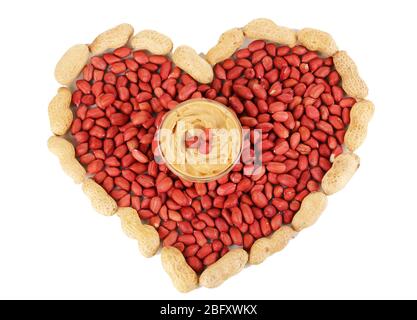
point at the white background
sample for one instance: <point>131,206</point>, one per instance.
<point>52,243</point>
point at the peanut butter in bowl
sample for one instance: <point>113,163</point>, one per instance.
<point>200,140</point>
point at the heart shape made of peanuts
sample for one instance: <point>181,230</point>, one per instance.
<point>305,96</point>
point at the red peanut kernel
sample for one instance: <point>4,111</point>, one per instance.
<point>292,95</point>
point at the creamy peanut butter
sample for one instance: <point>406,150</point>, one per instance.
<point>217,136</point>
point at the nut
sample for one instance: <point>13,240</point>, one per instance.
<point>344,167</point>
<point>99,198</point>
<point>60,114</point>
<point>228,43</point>
<point>182,275</point>
<point>70,65</point>
<point>229,265</point>
<point>146,235</point>
<point>266,29</point>
<point>153,41</point>
<point>111,39</point>
<point>298,150</point>
<point>317,40</point>
<point>352,83</point>
<point>65,152</point>
<point>311,208</point>
<point>188,60</point>
<point>264,247</point>
<point>360,115</point>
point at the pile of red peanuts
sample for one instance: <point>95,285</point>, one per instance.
<point>291,94</point>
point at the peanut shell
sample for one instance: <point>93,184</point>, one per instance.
<point>228,43</point>
<point>188,60</point>
<point>61,147</point>
<point>70,65</point>
<point>227,266</point>
<point>352,83</point>
<point>182,275</point>
<point>317,40</point>
<point>311,208</point>
<point>65,152</point>
<point>60,114</point>
<point>265,247</point>
<point>100,200</point>
<point>153,41</point>
<point>360,115</point>
<point>111,39</point>
<point>343,169</point>
<point>146,235</point>
<point>266,29</point>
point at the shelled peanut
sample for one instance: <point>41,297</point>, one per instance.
<point>291,94</point>
<point>304,95</point>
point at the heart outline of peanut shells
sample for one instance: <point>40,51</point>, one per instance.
<point>200,68</point>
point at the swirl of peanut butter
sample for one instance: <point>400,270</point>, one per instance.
<point>195,118</point>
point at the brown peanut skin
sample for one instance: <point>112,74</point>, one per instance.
<point>360,115</point>
<point>182,275</point>
<point>310,211</point>
<point>146,235</point>
<point>343,169</point>
<point>265,247</point>
<point>227,266</point>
